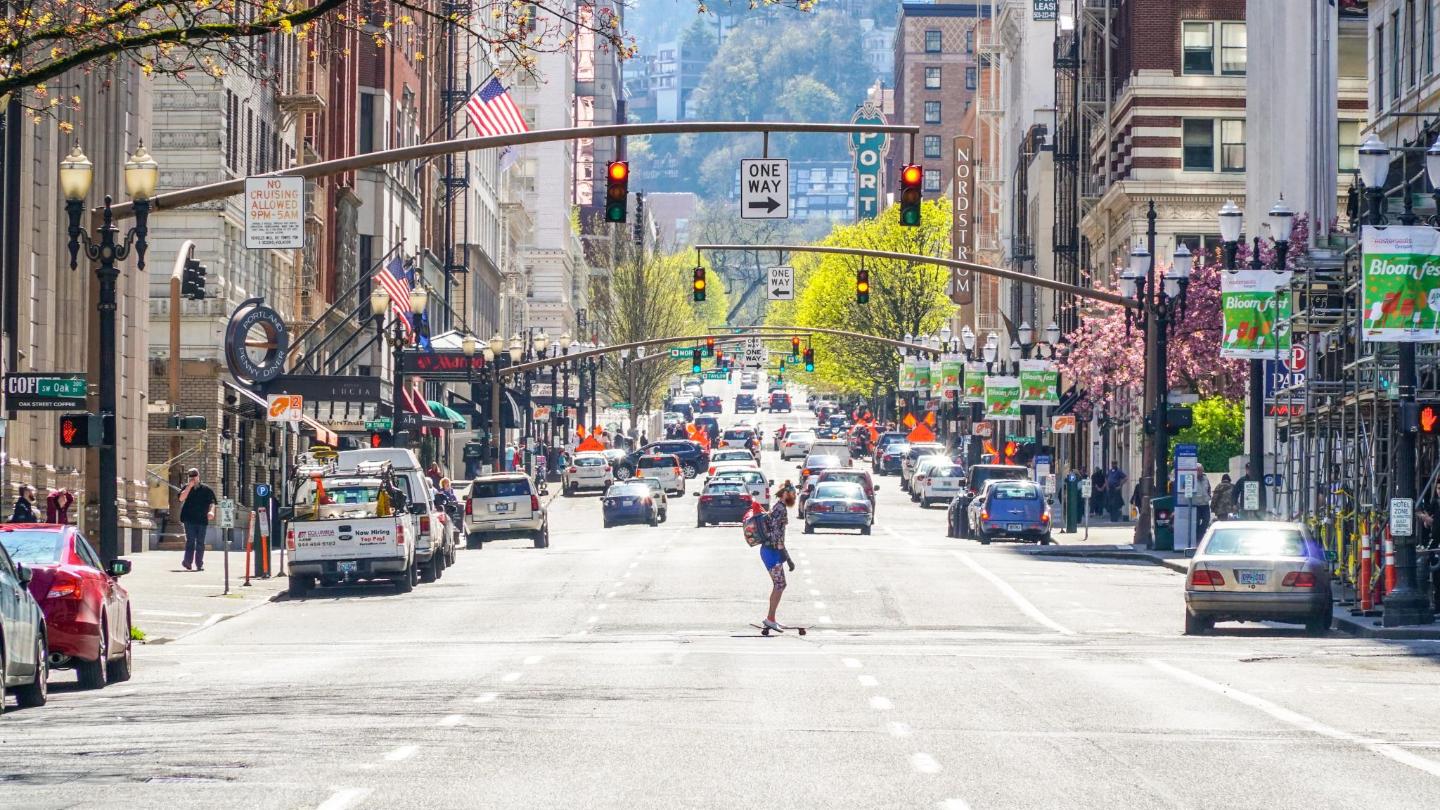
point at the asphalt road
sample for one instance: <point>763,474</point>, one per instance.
<point>618,669</point>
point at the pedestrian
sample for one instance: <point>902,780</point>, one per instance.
<point>1097,492</point>
<point>197,509</point>
<point>517,460</point>
<point>57,506</point>
<point>1114,491</point>
<point>433,473</point>
<point>644,439</point>
<point>772,551</point>
<point>1222,499</point>
<point>24,511</point>
<point>1201,501</point>
<point>1238,495</point>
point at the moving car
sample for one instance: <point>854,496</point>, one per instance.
<point>619,462</point>
<point>710,425</point>
<point>722,502</point>
<point>629,503</point>
<point>745,403</point>
<point>917,451</point>
<point>741,437</point>
<point>23,650</point>
<point>958,516</point>
<point>839,504</point>
<point>796,444</point>
<point>836,447</point>
<point>711,404</point>
<point>848,475</point>
<point>779,402</point>
<point>87,610</point>
<point>657,491</point>
<point>664,467</point>
<point>1011,510</point>
<point>1258,571</point>
<point>755,482</point>
<point>730,455</point>
<point>883,441</point>
<point>923,467</point>
<point>887,461</point>
<point>942,482</point>
<point>683,406</point>
<point>587,470</point>
<point>505,505</point>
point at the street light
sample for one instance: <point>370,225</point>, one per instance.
<point>1281,221</point>
<point>517,348</point>
<point>142,176</point>
<point>1179,274</point>
<point>1026,333</point>
<point>542,342</point>
<point>379,302</point>
<point>419,298</point>
<point>990,351</point>
<point>468,344</point>
<point>945,335</point>
<point>967,338</point>
<point>1052,332</point>
<point>497,343</point>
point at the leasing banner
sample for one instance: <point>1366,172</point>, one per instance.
<point>1400,270</point>
<point>1039,383</point>
<point>1002,397</point>
<point>1256,308</point>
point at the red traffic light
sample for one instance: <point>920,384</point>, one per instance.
<point>911,175</point>
<point>619,171</point>
<point>1430,418</point>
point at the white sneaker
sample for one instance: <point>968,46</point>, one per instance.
<point>771,625</point>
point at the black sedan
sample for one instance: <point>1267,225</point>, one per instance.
<point>722,501</point>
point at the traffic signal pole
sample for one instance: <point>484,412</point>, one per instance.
<point>187,252</point>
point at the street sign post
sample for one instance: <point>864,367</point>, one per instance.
<point>782,283</point>
<point>274,213</point>
<point>44,391</point>
<point>716,375</point>
<point>765,188</point>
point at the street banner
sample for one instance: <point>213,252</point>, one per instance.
<point>1064,423</point>
<point>922,375</point>
<point>974,384</point>
<point>1400,299</point>
<point>1039,383</point>
<point>1002,397</point>
<point>1256,308</point>
<point>907,374</point>
<point>952,374</point>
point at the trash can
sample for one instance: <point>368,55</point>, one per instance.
<point>1074,503</point>
<point>1162,522</point>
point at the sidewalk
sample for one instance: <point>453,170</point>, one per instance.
<point>167,602</point>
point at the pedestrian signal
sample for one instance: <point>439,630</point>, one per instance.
<point>910,177</point>
<point>617,190</point>
<point>1430,418</point>
<point>381,438</point>
<point>80,430</point>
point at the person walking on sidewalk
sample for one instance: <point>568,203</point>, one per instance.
<point>197,509</point>
<point>1222,499</point>
<point>24,511</point>
<point>1114,491</point>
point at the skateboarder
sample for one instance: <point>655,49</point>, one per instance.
<point>772,551</point>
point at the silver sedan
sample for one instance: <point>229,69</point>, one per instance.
<point>1258,571</point>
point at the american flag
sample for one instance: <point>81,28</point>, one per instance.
<point>493,112</point>
<point>395,281</point>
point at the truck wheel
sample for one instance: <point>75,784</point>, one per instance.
<point>300,586</point>
<point>405,583</point>
<point>475,541</point>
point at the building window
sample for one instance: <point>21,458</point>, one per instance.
<point>367,123</point>
<point>1395,56</point>
<point>1232,145</point>
<point>969,78</point>
<point>970,40</point>
<point>1199,145</point>
<point>932,112</point>
<point>1198,45</point>
<point>932,146</point>
<point>1200,244</point>
<point>1427,43</point>
<point>1232,48</point>
<point>1380,65</point>
<point>932,40</point>
<point>1348,141</point>
<point>1411,41</point>
<point>932,78</point>
<point>932,180</point>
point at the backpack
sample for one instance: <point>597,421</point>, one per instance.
<point>755,528</point>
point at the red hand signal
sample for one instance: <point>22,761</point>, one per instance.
<point>1429,417</point>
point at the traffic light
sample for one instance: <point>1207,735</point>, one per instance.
<point>809,359</point>
<point>795,346</point>
<point>910,177</point>
<point>719,358</point>
<point>1179,417</point>
<point>695,361</point>
<point>710,346</point>
<point>192,280</point>
<point>80,430</point>
<point>699,284</point>
<point>381,438</point>
<point>1429,418</point>
<point>617,190</point>
<point>862,286</point>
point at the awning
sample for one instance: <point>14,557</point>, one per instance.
<point>441,411</point>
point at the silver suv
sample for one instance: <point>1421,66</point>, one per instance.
<point>505,505</point>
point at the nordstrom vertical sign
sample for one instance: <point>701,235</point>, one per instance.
<point>962,220</point>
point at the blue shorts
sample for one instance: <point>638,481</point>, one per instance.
<point>771,557</point>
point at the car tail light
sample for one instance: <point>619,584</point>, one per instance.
<point>1299,579</point>
<point>425,524</point>
<point>571,471</point>
<point>64,586</point>
<point>676,469</point>
<point>746,497</point>
<point>859,508</point>
<point>1045,518</point>
<point>289,539</point>
<point>819,507</point>
<point>1204,576</point>
<point>647,502</point>
<point>399,533</point>
<point>534,503</point>
<point>707,498</point>
<point>469,506</point>
<point>984,515</point>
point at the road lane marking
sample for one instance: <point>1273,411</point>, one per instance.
<point>593,619</point>
<point>1284,715</point>
<point>532,660</point>
<point>924,763</point>
<point>898,729</point>
<point>954,804</point>
<point>881,703</point>
<point>213,619</point>
<point>343,798</point>
<point>814,592</point>
<point>823,619</point>
<point>610,595</point>
<point>486,697</point>
<point>819,605</point>
<point>601,606</point>
<point>1013,595</point>
<point>402,753</point>
<point>852,663</point>
<point>451,720</point>
<point>867,680</point>
<point>511,677</point>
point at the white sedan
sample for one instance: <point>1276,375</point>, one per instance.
<point>797,444</point>
<point>588,470</point>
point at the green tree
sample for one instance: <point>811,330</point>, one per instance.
<point>905,297</point>
<point>1218,432</point>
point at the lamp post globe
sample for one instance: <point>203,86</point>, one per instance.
<point>1374,160</point>
<point>1281,219</point>
<point>379,302</point>
<point>489,355</point>
<point>566,341</point>
<point>517,348</point>
<point>419,298</point>
<point>967,337</point>
<point>1026,333</point>
<point>1232,221</point>
<point>496,344</point>
<point>469,344</point>
<point>1052,332</point>
<point>542,342</point>
<point>76,174</point>
<point>142,174</point>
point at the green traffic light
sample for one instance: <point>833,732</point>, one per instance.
<point>909,216</point>
<point>615,212</point>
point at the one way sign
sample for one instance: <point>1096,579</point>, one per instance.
<point>765,188</point>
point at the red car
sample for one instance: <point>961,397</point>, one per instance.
<point>87,610</point>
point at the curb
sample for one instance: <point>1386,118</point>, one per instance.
<point>1113,553</point>
<point>274,597</point>
<point>1364,627</point>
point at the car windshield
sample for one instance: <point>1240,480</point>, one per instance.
<point>839,489</point>
<point>628,490</point>
<point>500,489</point>
<point>723,487</point>
<point>657,462</point>
<point>736,434</point>
<point>802,435</point>
<point>33,547</point>
<point>353,493</point>
<point>947,471</point>
<point>845,476</point>
<point>747,476</point>
<point>1015,491</point>
<point>822,461</point>
<point>897,448</point>
<point>1256,542</point>
<point>589,461</point>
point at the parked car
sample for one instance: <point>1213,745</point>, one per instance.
<point>923,466</point>
<point>796,444</point>
<point>745,403</point>
<point>505,505</point>
<point>337,531</point>
<point>619,462</point>
<point>1258,571</point>
<point>958,515</point>
<point>711,404</point>
<point>1011,510</point>
<point>887,461</point>
<point>624,502</point>
<point>756,484</point>
<point>587,470</point>
<point>721,502</point>
<point>915,453</point>
<point>24,652</point>
<point>664,467</point>
<point>657,491</point>
<point>839,504</point>
<point>942,482</point>
<point>693,456</point>
<point>87,610</point>
<point>434,549</point>
<point>779,402</point>
<point>848,475</point>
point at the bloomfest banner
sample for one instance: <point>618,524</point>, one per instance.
<point>1256,308</point>
<point>1039,383</point>
<point>1002,397</point>
<point>1400,266</point>
<point>974,385</point>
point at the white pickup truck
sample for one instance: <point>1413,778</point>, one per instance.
<point>343,530</point>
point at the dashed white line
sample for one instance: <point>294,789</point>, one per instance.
<point>168,613</point>
<point>451,720</point>
<point>532,660</point>
<point>402,753</point>
<point>881,703</point>
<point>819,605</point>
<point>814,592</point>
<point>1013,595</point>
<point>867,680</point>
<point>852,663</point>
<point>610,595</point>
<point>823,619</point>
<point>213,619</point>
<point>593,619</point>
<point>510,677</point>
<point>486,697</point>
<point>343,798</point>
<point>898,729</point>
<point>954,804</point>
<point>924,763</point>
<point>601,606</point>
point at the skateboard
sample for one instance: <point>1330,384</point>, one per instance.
<point>765,631</point>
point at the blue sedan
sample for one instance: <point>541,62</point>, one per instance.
<point>1013,510</point>
<point>839,504</point>
<point>629,503</point>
